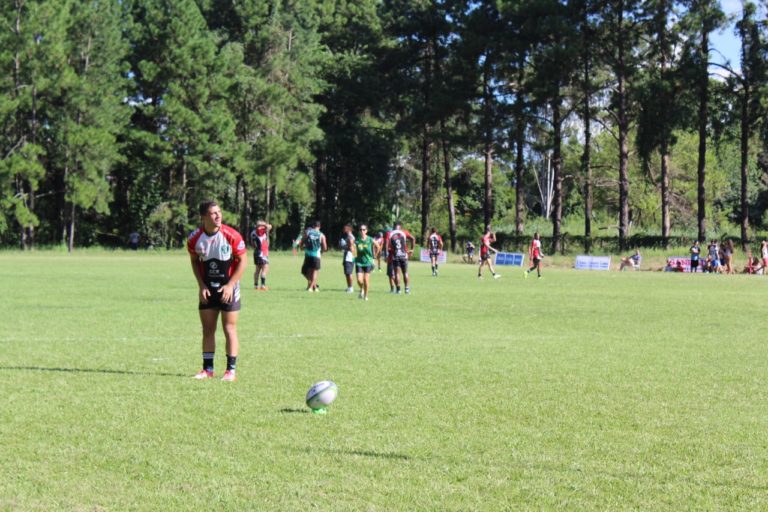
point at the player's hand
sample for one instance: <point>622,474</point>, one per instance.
<point>203,294</point>
<point>227,293</point>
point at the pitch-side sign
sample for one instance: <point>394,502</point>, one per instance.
<point>424,256</point>
<point>593,263</point>
<point>509,258</point>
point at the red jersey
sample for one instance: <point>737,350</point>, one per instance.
<point>485,243</point>
<point>260,241</point>
<point>216,253</point>
<point>535,249</point>
<point>398,244</point>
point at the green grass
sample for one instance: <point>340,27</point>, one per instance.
<point>581,391</point>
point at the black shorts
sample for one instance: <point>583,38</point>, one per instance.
<point>364,269</point>
<point>349,267</point>
<point>260,260</point>
<point>310,263</point>
<point>485,256</point>
<point>398,263</point>
<point>214,301</point>
<point>535,262</point>
<point>694,265</point>
<point>434,254</point>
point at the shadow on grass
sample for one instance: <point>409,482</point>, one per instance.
<point>288,410</point>
<point>105,371</point>
<point>358,453</point>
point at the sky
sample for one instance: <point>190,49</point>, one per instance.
<point>725,41</point>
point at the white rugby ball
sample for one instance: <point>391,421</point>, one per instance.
<point>322,394</point>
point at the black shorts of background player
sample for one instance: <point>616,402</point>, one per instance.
<point>347,245</point>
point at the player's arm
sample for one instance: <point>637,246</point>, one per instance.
<point>203,291</point>
<point>323,244</point>
<point>376,249</point>
<point>413,242</point>
<point>227,291</point>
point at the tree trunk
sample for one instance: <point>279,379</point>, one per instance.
<point>745,133</point>
<point>557,174</point>
<point>71,241</point>
<point>701,172</point>
<point>319,186</point>
<point>623,125</point>
<point>426,158</point>
<point>665,220</point>
<point>586,165</point>
<point>449,194</point>
<point>267,197</point>
<point>519,172</point>
<point>488,202</point>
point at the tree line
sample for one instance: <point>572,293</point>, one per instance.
<point>587,117</point>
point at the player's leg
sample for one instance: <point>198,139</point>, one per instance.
<point>208,318</point>
<point>366,281</point>
<point>264,273</point>
<point>406,276</point>
<point>229,324</point>
<point>360,281</point>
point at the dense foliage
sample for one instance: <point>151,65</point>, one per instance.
<point>573,117</point>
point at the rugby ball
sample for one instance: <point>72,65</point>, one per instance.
<point>322,394</point>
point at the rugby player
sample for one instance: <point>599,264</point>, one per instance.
<point>534,256</point>
<point>347,244</point>
<point>314,245</point>
<point>435,245</point>
<point>366,250</point>
<point>399,252</point>
<point>485,253</point>
<point>259,239</point>
<point>217,254</point>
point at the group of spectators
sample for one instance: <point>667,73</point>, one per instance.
<point>718,259</point>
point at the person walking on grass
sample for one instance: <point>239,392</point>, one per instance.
<point>218,257</point>
<point>260,242</point>
<point>535,256</point>
<point>366,250</point>
<point>435,245</point>
<point>314,245</point>
<point>486,249</point>
<point>401,245</point>
<point>347,244</point>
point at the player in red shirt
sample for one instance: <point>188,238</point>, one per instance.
<point>535,256</point>
<point>485,253</point>
<point>260,242</point>
<point>435,245</point>
<point>217,253</point>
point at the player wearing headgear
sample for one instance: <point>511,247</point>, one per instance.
<point>314,245</point>
<point>435,245</point>
<point>485,253</point>
<point>399,251</point>
<point>259,238</point>
<point>217,253</point>
<point>535,255</point>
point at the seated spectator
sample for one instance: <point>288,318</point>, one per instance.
<point>752,266</point>
<point>631,261</point>
<point>679,267</point>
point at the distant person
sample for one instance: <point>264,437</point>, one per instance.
<point>379,239</point>
<point>366,250</point>
<point>133,241</point>
<point>435,246</point>
<point>713,257</point>
<point>218,256</point>
<point>486,249</point>
<point>259,239</point>
<point>347,243</point>
<point>752,266</point>
<point>728,251</point>
<point>401,245</point>
<point>679,266</point>
<point>469,252</point>
<point>764,253</point>
<point>695,251</point>
<point>535,256</point>
<point>314,245</point>
<point>632,261</point>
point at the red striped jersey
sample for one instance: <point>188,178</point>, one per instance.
<point>216,253</point>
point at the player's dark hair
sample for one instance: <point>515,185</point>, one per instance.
<point>434,230</point>
<point>397,225</point>
<point>316,224</point>
<point>207,205</point>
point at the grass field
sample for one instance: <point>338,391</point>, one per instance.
<point>580,391</point>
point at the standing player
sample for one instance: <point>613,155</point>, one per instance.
<point>400,252</point>
<point>366,249</point>
<point>379,239</point>
<point>695,251</point>
<point>314,245</point>
<point>535,256</point>
<point>217,253</point>
<point>260,242</point>
<point>435,244</point>
<point>485,253</point>
<point>347,244</point>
